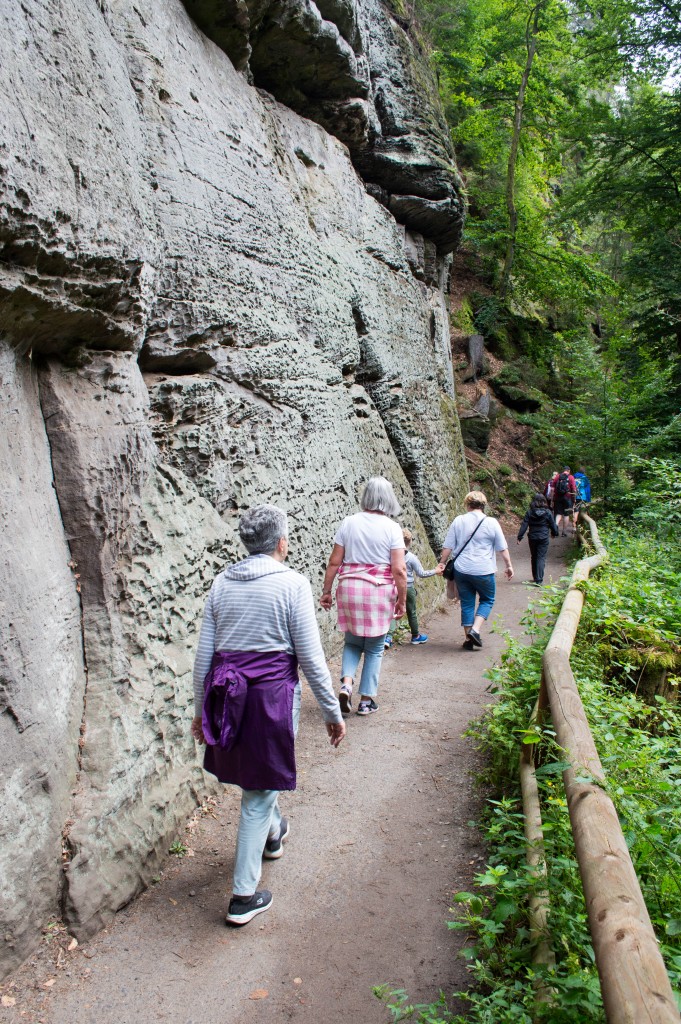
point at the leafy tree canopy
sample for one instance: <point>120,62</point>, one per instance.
<point>566,118</point>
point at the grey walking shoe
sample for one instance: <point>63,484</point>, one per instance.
<point>241,911</point>
<point>274,848</point>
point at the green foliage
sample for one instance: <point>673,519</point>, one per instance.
<point>178,848</point>
<point>655,500</point>
<point>628,186</point>
<point>665,440</point>
<point>633,607</point>
<point>633,38</point>
<point>610,413</point>
<point>633,610</point>
<point>463,320</point>
<point>489,313</point>
<point>397,1002</point>
<point>481,57</point>
<point>505,492</point>
<point>597,194</point>
<point>519,495</point>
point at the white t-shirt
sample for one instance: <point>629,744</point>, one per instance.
<point>368,538</point>
<point>479,557</point>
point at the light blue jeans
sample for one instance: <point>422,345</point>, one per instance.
<point>372,648</point>
<point>260,819</point>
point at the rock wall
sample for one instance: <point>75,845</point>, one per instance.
<point>359,69</point>
<point>201,307</point>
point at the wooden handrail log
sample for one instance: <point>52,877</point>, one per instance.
<point>634,981</point>
<point>569,717</point>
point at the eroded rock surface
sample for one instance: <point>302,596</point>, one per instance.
<point>201,307</point>
<point>42,678</point>
<point>360,70</point>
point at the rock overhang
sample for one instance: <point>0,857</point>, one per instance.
<point>359,71</point>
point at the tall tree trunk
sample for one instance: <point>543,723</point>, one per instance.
<point>531,32</point>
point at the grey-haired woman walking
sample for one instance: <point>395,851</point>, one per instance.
<point>368,559</point>
<point>259,625</point>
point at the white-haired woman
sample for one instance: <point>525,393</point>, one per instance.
<point>475,539</point>
<point>368,559</point>
<point>259,625</point>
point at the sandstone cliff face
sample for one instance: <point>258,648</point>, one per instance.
<point>355,68</point>
<point>201,307</point>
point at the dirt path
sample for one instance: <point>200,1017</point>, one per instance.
<point>379,842</point>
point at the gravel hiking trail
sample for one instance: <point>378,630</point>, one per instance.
<point>380,840</point>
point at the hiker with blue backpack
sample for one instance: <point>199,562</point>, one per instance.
<point>583,499</point>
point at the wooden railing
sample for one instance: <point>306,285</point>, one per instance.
<point>634,983</point>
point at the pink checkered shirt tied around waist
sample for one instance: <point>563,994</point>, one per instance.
<point>365,598</point>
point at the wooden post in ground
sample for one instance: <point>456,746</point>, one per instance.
<point>539,906</point>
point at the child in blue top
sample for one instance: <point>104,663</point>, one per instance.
<point>414,567</point>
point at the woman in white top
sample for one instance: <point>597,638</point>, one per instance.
<point>368,558</point>
<point>475,539</point>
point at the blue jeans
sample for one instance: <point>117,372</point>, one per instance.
<point>260,819</point>
<point>471,587</point>
<point>372,648</point>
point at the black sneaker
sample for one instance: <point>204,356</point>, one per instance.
<point>468,645</point>
<point>274,848</point>
<point>367,707</point>
<point>241,912</point>
<point>475,638</point>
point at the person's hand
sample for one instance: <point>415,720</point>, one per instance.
<point>518,542</point>
<point>197,731</point>
<point>509,572</point>
<point>336,731</point>
<point>326,601</point>
<point>440,569</point>
<point>400,609</point>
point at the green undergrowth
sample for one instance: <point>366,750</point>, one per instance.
<point>632,618</point>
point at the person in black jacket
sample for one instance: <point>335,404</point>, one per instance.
<point>540,523</point>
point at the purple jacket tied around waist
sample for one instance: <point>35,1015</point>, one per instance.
<point>248,719</point>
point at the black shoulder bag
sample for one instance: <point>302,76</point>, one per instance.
<point>449,567</point>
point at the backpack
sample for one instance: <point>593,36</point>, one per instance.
<point>583,487</point>
<point>549,489</point>
<point>562,485</point>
